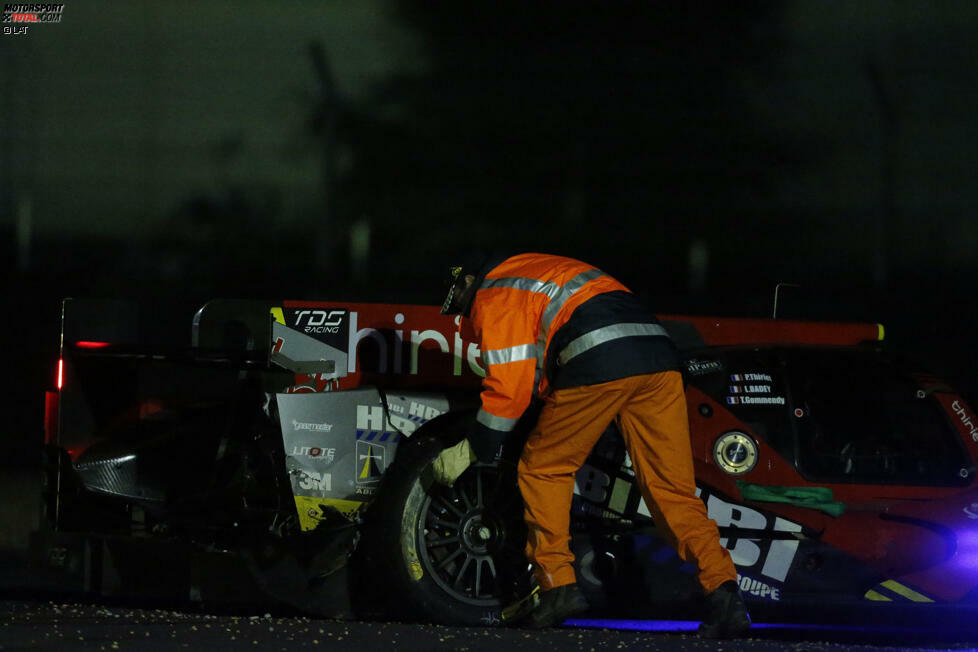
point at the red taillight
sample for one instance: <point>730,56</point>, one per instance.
<point>61,373</point>
<point>92,345</point>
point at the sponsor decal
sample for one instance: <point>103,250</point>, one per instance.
<point>702,367</point>
<point>372,419</point>
<point>752,383</point>
<point>750,389</point>
<point>316,427</point>
<point>436,347</point>
<point>329,326</point>
<point>423,412</point>
<point>371,461</point>
<point>756,400</point>
<point>767,558</point>
<point>325,454</point>
<point>743,378</point>
<point>319,321</point>
<point>758,588</point>
<point>313,481</point>
<point>966,420</point>
<point>394,351</point>
<point>606,495</point>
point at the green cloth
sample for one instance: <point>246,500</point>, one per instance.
<point>819,498</point>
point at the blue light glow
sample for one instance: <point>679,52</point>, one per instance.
<point>966,555</point>
<point>642,625</point>
<point>691,625</point>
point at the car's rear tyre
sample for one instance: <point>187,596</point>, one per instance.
<point>451,555</point>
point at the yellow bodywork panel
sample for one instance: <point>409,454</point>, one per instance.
<point>906,592</point>
<point>898,590</point>
<point>311,513</point>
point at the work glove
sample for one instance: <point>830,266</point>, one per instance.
<point>452,462</point>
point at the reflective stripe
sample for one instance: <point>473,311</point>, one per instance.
<point>512,354</point>
<point>558,296</point>
<point>494,422</point>
<point>556,304</point>
<point>606,334</point>
<point>878,597</point>
<point>520,283</point>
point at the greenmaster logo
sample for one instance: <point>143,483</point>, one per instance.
<point>19,17</point>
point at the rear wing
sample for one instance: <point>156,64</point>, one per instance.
<point>123,359</point>
<point>690,333</point>
<point>340,345</point>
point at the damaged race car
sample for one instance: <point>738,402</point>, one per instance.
<point>284,457</point>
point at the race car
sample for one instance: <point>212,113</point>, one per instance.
<point>295,438</point>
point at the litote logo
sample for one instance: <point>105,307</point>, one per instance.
<point>371,462</point>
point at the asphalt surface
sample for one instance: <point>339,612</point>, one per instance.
<point>66,625</point>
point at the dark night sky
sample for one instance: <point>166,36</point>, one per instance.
<point>701,152</point>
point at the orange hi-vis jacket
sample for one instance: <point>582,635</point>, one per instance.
<point>546,322</point>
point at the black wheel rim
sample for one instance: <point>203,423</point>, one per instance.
<point>471,536</point>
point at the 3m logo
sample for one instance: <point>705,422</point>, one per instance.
<point>371,462</point>
<point>312,481</point>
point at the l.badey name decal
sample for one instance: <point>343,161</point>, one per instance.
<point>752,389</point>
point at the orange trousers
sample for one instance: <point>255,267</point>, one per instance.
<point>651,414</point>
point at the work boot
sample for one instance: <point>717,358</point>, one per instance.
<point>728,614</point>
<point>557,605</point>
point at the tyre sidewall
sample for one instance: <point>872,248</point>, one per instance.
<point>413,592</point>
